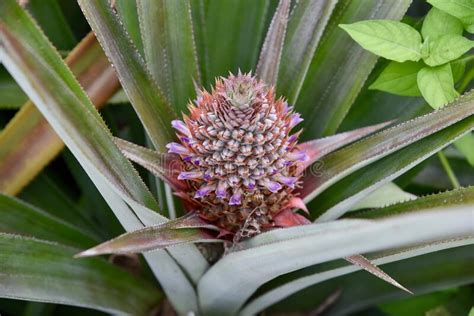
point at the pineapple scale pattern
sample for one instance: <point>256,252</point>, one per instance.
<point>239,156</point>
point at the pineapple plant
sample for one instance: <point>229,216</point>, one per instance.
<point>270,173</point>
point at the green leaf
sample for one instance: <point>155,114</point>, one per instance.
<point>11,95</point>
<point>305,28</point>
<point>340,197</point>
<point>446,48</point>
<point>315,149</point>
<point>286,250</point>
<point>330,88</point>
<point>165,166</point>
<point>345,161</point>
<point>127,11</point>
<point>148,100</point>
<point>389,39</point>
<point>186,229</point>
<point>42,271</point>
<point>38,68</point>
<point>449,261</point>
<point>269,61</point>
<point>28,143</point>
<point>444,199</point>
<point>469,28</point>
<point>51,197</point>
<point>437,85</point>
<point>21,218</point>
<point>471,312</point>
<point>458,67</point>
<point>228,35</point>
<point>387,194</point>
<point>170,52</point>
<point>399,78</point>
<point>438,23</point>
<point>52,21</point>
<point>462,9</point>
<point>466,146</point>
<point>372,268</point>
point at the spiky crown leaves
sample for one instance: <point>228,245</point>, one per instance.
<point>236,146</point>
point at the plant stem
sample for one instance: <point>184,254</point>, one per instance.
<point>442,157</point>
<point>449,170</point>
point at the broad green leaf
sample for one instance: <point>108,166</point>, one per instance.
<point>28,143</point>
<point>389,39</point>
<point>11,95</point>
<point>330,88</point>
<point>471,312</point>
<point>305,28</point>
<point>186,229</point>
<point>416,267</point>
<point>148,100</point>
<point>437,85</point>
<point>37,67</point>
<point>438,23</point>
<point>228,35</point>
<point>21,218</point>
<point>462,9</point>
<point>347,160</point>
<point>42,271</point>
<point>387,194</point>
<point>270,55</point>
<point>52,21</point>
<point>170,52</point>
<point>399,78</point>
<point>286,250</point>
<point>446,48</point>
<point>462,196</point>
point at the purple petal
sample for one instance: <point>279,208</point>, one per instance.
<point>293,138</point>
<point>189,175</point>
<point>297,156</point>
<point>175,148</point>
<point>235,199</point>
<point>295,120</point>
<point>181,127</point>
<point>221,191</point>
<point>186,140</point>
<point>203,191</point>
<point>272,186</point>
<point>288,181</point>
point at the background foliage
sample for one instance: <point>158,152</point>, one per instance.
<point>60,203</point>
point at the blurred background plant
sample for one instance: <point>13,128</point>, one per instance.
<point>333,82</point>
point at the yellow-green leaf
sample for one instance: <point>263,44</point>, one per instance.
<point>389,39</point>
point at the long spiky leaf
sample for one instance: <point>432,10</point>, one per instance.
<point>269,61</point>
<point>148,100</point>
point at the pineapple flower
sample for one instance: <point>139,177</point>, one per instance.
<point>240,159</point>
<point>237,166</point>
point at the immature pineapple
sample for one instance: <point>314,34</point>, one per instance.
<point>239,157</point>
